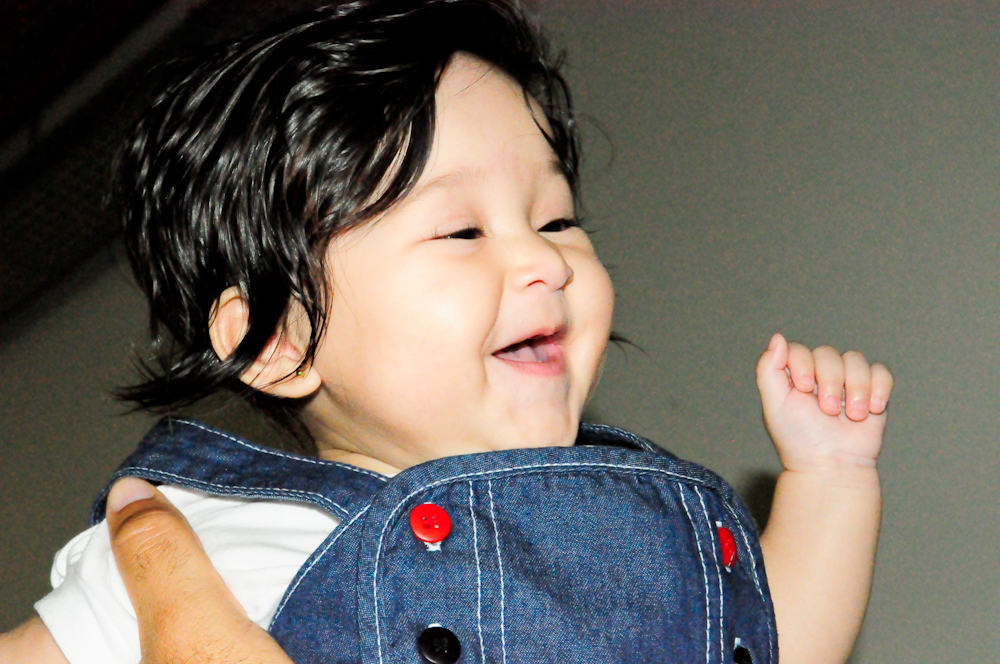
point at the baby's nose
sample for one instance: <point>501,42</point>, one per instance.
<point>540,264</point>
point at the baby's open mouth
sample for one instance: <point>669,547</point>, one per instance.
<point>545,348</point>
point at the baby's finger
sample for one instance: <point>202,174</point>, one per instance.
<point>881,388</point>
<point>857,385</point>
<point>829,379</point>
<point>801,367</point>
<point>771,378</point>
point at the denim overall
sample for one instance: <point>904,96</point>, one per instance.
<point>609,551</point>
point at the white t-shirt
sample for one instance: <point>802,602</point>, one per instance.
<point>256,545</point>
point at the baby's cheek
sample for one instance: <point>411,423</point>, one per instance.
<point>592,305</point>
<point>595,298</point>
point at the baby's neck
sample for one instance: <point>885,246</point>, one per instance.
<point>337,447</point>
<point>359,460</point>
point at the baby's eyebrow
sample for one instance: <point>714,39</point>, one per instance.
<point>473,174</point>
<point>451,180</point>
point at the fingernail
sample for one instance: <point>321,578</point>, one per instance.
<point>126,491</point>
<point>878,405</point>
<point>831,402</point>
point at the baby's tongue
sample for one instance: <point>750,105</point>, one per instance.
<point>524,352</point>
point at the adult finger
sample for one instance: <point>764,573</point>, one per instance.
<point>185,611</point>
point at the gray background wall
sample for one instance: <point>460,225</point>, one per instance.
<point>827,170</point>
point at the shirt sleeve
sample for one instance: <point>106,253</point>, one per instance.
<point>256,545</point>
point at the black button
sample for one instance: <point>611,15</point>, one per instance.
<point>438,645</point>
<point>742,656</point>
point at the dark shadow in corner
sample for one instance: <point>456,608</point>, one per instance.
<point>758,493</point>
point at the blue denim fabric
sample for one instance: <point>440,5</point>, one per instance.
<point>604,552</point>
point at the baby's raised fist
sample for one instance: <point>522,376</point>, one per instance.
<point>840,381</point>
<point>821,406</point>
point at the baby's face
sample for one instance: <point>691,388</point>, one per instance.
<point>472,316</point>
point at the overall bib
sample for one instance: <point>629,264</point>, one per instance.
<point>612,551</point>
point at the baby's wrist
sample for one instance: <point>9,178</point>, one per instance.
<point>829,461</point>
<point>836,473</point>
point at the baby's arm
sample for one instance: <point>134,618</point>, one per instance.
<point>30,643</point>
<point>819,544</point>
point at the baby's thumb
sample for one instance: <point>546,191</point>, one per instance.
<point>180,600</point>
<point>772,380</point>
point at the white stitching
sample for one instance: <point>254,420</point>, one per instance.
<point>496,536</point>
<point>756,580</point>
<point>333,540</point>
<point>646,445</point>
<point>718,573</point>
<point>399,506</point>
<point>378,629</point>
<point>258,448</point>
<point>479,573</point>
<point>704,569</point>
<point>746,542</point>
<point>228,490</point>
<point>541,466</point>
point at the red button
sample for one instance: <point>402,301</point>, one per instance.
<point>430,523</point>
<point>728,543</point>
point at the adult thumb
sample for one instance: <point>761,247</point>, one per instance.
<point>185,611</point>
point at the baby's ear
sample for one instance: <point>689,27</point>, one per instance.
<point>276,370</point>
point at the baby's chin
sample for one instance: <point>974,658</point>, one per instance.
<point>553,430</point>
<point>505,436</point>
<point>540,422</point>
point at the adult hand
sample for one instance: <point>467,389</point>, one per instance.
<point>186,613</point>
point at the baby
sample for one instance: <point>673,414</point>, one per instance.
<point>365,221</point>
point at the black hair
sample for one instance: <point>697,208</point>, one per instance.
<point>264,149</point>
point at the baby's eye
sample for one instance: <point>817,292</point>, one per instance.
<point>559,225</point>
<point>471,233</point>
